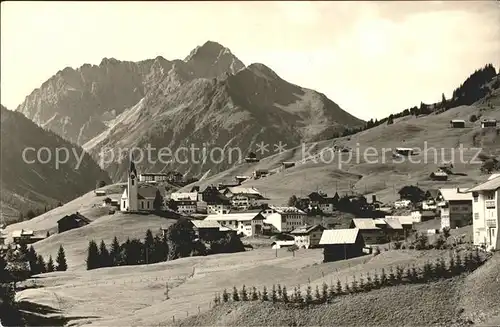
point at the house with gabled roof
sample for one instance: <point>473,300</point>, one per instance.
<point>341,244</point>
<point>307,236</point>
<point>455,206</point>
<point>72,221</point>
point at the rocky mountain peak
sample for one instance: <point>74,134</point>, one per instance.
<point>212,60</point>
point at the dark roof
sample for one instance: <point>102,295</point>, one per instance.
<point>433,193</point>
<point>76,216</point>
<point>211,195</point>
<point>146,192</point>
<point>195,189</point>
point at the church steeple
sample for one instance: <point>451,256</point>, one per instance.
<point>132,167</point>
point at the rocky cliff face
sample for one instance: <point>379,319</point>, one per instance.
<point>209,97</point>
<point>32,182</point>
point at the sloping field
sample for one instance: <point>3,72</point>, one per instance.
<point>370,166</point>
<point>135,295</point>
<point>76,241</point>
<point>474,298</point>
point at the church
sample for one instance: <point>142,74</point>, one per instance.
<point>135,198</point>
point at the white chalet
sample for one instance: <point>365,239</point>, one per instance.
<point>486,209</point>
<point>246,223</point>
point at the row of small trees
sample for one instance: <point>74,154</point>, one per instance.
<point>439,269</point>
<point>37,263</point>
<point>178,241</point>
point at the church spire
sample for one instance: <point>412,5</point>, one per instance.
<point>132,166</point>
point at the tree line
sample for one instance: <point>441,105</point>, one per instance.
<point>457,264</point>
<point>178,241</point>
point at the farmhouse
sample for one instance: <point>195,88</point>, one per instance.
<point>100,192</point>
<point>72,221</point>
<point>241,178</point>
<point>485,123</point>
<point>457,123</point>
<point>260,173</point>
<point>486,208</point>
<point>186,206</point>
<point>456,207</point>
<point>135,198</point>
<point>341,244</point>
<point>206,230</point>
<point>216,201</point>
<point>322,202</point>
<point>307,236</point>
<point>252,157</point>
<point>286,164</point>
<point>245,223</point>
<point>285,219</point>
<point>439,176</point>
<point>24,236</point>
<point>372,230</point>
<point>243,198</point>
<point>423,215</point>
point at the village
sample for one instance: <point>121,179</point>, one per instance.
<point>344,225</point>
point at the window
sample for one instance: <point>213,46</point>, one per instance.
<point>132,182</point>
<point>490,196</point>
<point>476,215</point>
<point>148,205</point>
<point>142,205</point>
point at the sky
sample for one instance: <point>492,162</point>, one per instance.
<point>371,58</point>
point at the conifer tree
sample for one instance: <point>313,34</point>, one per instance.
<point>458,264</point>
<point>295,295</point>
<point>92,256</point>
<point>376,280</point>
<point>274,297</point>
<point>468,258</point>
<point>347,288</point>
<point>361,284</point>
<point>61,260</point>
<point>354,285</point>
<point>50,265</point>
<point>308,299</point>
<point>148,247</point>
<point>427,271</point>
<point>41,267</point>
<point>265,296</point>
<point>399,274</point>
<point>414,273</point>
<point>225,296</point>
<point>383,278</point>
<point>392,276</point>
<point>115,253</point>
<point>255,296</point>
<point>104,256</point>
<point>216,299</point>
<point>280,291</point>
<point>284,295</point>
<point>452,265</point>
<point>331,291</point>
<point>408,276</point>
<point>317,294</point>
<point>236,296</point>
<point>244,294</point>
<point>338,289</point>
<point>299,294</point>
<point>369,282</point>
<point>32,258</point>
<point>324,292</point>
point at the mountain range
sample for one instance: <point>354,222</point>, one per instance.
<point>210,99</point>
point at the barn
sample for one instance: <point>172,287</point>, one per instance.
<point>341,244</point>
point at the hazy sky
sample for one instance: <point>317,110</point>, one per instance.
<point>371,58</point>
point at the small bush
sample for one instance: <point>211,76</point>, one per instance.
<point>473,118</point>
<point>236,296</point>
<point>225,296</point>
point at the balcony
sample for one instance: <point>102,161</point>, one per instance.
<point>491,223</point>
<point>489,204</point>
